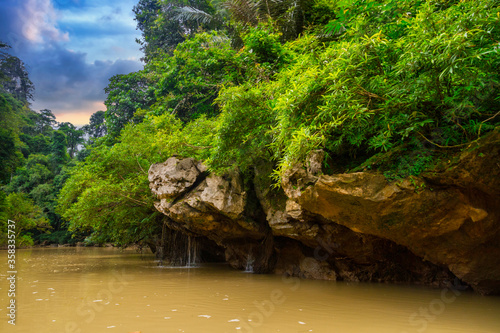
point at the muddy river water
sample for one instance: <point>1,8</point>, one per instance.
<point>108,290</point>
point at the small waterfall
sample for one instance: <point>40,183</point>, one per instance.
<point>192,252</point>
<point>249,265</point>
<point>178,249</point>
<point>188,262</point>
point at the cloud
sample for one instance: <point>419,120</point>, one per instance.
<point>39,22</point>
<point>71,49</point>
<point>66,83</point>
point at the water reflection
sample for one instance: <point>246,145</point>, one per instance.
<point>105,290</point>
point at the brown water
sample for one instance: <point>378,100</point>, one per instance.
<point>105,290</point>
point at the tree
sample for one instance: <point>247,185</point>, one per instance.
<point>97,125</point>
<point>27,216</point>
<point>44,121</point>
<point>74,137</point>
<point>162,28</point>
<point>126,94</point>
<point>14,76</point>
<point>190,79</point>
<point>59,155</point>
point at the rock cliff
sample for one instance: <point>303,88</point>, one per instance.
<point>440,229</point>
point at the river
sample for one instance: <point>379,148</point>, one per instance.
<point>108,290</point>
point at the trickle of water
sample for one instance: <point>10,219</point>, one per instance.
<point>192,252</point>
<point>188,263</point>
<point>249,266</point>
<point>178,250</point>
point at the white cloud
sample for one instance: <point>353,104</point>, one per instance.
<point>40,22</point>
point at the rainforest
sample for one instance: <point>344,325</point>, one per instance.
<point>353,141</point>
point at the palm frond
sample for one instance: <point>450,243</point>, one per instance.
<point>188,13</point>
<point>246,11</point>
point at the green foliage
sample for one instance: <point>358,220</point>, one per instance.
<point>57,237</point>
<point>192,77</point>
<point>27,215</point>
<point>370,93</point>
<point>163,28</point>
<point>8,154</point>
<point>97,126</point>
<point>12,112</point>
<point>43,122</point>
<point>3,212</point>
<point>126,94</point>
<point>108,193</point>
<point>58,149</point>
<point>265,44</point>
<point>74,137</point>
<point>243,130</point>
<point>290,17</point>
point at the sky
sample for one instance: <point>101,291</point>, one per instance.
<point>71,48</point>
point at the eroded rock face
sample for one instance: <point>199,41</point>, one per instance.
<point>210,206</point>
<point>450,218</point>
<point>354,227</point>
<point>174,177</point>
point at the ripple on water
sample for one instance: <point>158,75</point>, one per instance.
<point>205,316</point>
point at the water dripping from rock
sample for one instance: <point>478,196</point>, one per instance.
<point>178,250</point>
<point>249,265</point>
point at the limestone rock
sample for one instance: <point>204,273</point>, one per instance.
<point>211,206</point>
<point>449,218</point>
<point>355,226</point>
<point>174,177</point>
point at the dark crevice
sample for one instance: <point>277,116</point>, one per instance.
<point>201,177</point>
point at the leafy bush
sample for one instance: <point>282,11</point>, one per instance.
<point>243,127</point>
<point>432,68</point>
<point>191,79</point>
<point>28,217</point>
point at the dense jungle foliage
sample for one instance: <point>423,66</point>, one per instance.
<point>233,83</point>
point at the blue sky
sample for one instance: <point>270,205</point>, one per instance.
<point>71,49</point>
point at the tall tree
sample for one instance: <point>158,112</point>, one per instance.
<point>126,94</point>
<point>58,149</point>
<point>74,137</point>
<point>96,128</point>
<point>97,125</point>
<point>162,28</point>
<point>44,121</point>
<point>14,76</point>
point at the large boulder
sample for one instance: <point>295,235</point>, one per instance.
<point>211,206</point>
